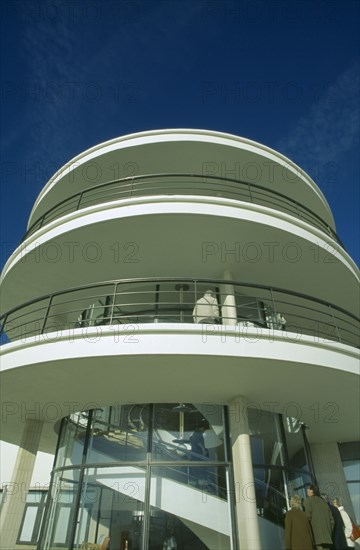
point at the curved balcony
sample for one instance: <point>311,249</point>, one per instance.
<point>170,300</point>
<point>182,184</point>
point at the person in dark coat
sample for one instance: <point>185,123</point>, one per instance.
<point>198,443</point>
<point>347,523</point>
<point>338,535</point>
<point>320,517</point>
<point>199,475</point>
<point>298,533</point>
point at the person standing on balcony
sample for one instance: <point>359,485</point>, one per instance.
<point>298,533</point>
<point>320,517</point>
<point>281,321</point>
<point>206,309</point>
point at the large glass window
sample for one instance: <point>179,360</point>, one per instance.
<point>350,456</point>
<point>188,431</point>
<point>112,506</point>
<point>33,513</point>
<point>139,477</point>
<point>61,511</point>
<point>280,462</point>
<point>71,440</point>
<point>185,516</point>
<point>119,433</point>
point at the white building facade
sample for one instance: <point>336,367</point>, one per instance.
<point>181,330</point>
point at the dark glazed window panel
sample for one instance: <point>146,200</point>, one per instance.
<point>350,451</point>
<point>175,425</point>
<point>72,439</point>
<point>119,433</point>
<point>112,505</point>
<point>279,462</point>
<point>61,512</point>
<point>198,518</point>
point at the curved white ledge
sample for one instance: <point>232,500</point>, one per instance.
<point>202,340</point>
<point>178,135</point>
<point>266,366</point>
<point>214,206</point>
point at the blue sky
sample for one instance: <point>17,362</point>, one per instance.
<point>76,73</point>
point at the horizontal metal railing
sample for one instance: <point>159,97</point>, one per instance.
<point>181,184</point>
<point>274,487</point>
<point>131,302</point>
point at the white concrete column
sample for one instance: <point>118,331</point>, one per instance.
<point>246,510</point>
<point>17,490</point>
<point>329,473</point>
<point>228,303</point>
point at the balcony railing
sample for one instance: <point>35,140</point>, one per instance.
<point>181,184</point>
<point>230,305</point>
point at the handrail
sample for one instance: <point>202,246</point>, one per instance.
<point>301,211</point>
<point>258,305</point>
<point>180,279</point>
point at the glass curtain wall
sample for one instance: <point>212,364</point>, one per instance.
<point>156,477</point>
<point>281,462</point>
<point>141,477</point>
<point>350,456</point>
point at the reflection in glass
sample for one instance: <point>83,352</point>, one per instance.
<point>119,433</point>
<point>193,518</point>
<point>279,462</point>
<point>112,506</point>
<point>61,512</point>
<point>175,426</point>
<point>151,476</point>
<point>124,496</point>
<point>71,439</point>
